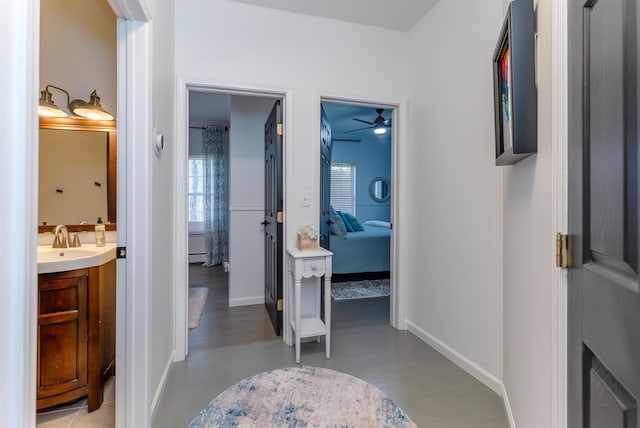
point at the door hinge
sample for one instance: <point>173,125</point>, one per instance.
<point>279,305</point>
<point>563,251</point>
<point>279,217</point>
<point>121,252</point>
<point>279,129</point>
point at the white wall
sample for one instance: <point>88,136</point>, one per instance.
<point>162,197</point>
<point>78,50</point>
<point>246,199</point>
<point>195,141</point>
<point>528,259</point>
<point>311,57</point>
<point>455,248</point>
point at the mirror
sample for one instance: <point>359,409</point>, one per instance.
<point>77,172</point>
<point>380,189</point>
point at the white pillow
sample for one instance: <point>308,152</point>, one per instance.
<point>378,223</point>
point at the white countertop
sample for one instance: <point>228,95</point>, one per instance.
<point>63,259</point>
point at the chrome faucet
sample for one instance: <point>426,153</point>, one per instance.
<point>61,242</point>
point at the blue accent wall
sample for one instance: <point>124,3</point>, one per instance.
<point>372,157</point>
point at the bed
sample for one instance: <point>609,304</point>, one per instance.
<point>360,252</point>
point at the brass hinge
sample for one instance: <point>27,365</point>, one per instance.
<point>121,252</point>
<point>563,253</point>
<point>279,129</point>
<point>279,304</point>
<point>279,216</point>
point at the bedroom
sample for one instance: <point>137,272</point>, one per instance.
<point>356,175</point>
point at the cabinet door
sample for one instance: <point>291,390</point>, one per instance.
<point>62,333</point>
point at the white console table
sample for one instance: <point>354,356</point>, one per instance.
<point>309,264</point>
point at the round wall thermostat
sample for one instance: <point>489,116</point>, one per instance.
<point>158,141</point>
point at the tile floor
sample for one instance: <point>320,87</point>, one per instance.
<point>75,415</point>
<point>233,343</point>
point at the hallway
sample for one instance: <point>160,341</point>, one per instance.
<point>233,343</point>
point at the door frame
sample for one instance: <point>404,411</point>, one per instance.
<point>399,172</point>
<point>559,210</point>
<point>181,215</point>
<point>133,405</point>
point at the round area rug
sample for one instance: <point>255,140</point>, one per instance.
<point>302,396</point>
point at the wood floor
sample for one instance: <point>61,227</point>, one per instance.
<point>221,325</point>
<point>233,343</point>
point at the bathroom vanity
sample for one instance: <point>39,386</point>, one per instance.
<point>76,324</point>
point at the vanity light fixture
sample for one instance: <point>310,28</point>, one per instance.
<point>89,110</point>
<point>47,107</point>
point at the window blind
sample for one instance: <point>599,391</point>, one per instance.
<point>343,187</point>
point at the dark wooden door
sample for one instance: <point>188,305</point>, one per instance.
<point>325,178</point>
<point>273,216</point>
<point>603,289</point>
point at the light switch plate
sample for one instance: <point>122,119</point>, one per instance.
<point>305,198</point>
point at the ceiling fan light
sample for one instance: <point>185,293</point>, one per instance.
<point>379,130</point>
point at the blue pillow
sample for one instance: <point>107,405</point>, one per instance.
<point>337,226</point>
<point>353,222</point>
<point>346,221</point>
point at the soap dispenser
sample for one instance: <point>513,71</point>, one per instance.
<point>100,233</point>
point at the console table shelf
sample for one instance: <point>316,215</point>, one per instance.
<point>310,263</point>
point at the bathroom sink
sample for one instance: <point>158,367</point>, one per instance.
<point>63,259</point>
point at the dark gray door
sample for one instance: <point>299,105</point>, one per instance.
<point>325,178</point>
<point>603,289</point>
<point>273,216</point>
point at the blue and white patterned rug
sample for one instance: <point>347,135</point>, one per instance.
<point>302,396</point>
<point>359,289</point>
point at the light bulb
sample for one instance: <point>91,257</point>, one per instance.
<point>379,130</point>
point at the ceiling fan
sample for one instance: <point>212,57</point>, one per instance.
<point>379,125</point>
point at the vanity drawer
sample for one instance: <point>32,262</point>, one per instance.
<point>59,292</point>
<point>314,264</point>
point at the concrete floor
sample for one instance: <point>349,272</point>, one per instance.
<point>233,343</point>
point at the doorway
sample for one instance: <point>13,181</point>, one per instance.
<point>356,209</point>
<point>76,334</point>
<point>236,282</point>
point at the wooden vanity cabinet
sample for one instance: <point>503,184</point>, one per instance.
<point>76,335</point>
<point>62,337</point>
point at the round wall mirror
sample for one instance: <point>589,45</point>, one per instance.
<point>380,189</point>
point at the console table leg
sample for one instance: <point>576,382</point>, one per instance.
<point>327,314</point>
<point>297,322</point>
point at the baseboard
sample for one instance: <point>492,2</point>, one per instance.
<point>245,301</point>
<point>507,407</point>
<point>161,386</point>
<point>197,258</point>
<point>458,359</point>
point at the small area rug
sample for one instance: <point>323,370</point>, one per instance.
<point>359,289</point>
<point>302,396</point>
<point>197,299</point>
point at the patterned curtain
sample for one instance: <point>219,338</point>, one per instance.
<point>215,195</point>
